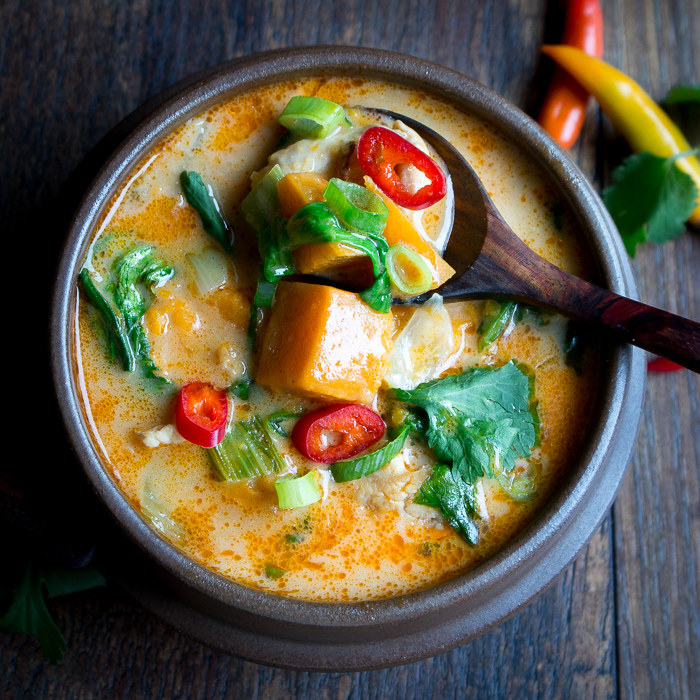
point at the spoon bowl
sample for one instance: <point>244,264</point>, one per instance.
<point>492,262</point>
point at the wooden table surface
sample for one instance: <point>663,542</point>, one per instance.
<point>624,619</point>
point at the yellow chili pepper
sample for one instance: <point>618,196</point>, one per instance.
<point>638,118</point>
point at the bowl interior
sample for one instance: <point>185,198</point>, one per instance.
<point>498,587</point>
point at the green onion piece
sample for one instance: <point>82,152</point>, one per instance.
<point>265,292</point>
<point>210,270</point>
<point>201,197</point>
<point>495,323</point>
<point>299,492</point>
<point>312,117</point>
<point>351,469</point>
<point>246,451</point>
<point>408,271</point>
<point>519,486</point>
<point>274,419</point>
<point>113,321</point>
<point>273,572</point>
<point>263,202</point>
<point>356,206</point>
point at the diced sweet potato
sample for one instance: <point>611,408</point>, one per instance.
<point>335,261</point>
<point>324,342</point>
<point>399,230</point>
<point>297,189</point>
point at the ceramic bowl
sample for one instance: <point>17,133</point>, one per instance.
<point>285,632</point>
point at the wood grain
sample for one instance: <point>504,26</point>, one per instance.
<point>622,621</point>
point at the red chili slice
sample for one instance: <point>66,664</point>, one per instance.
<point>661,364</point>
<point>380,150</point>
<point>200,414</point>
<point>332,433</point>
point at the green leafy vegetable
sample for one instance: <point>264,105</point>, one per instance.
<point>316,223</point>
<point>477,417</point>
<point>137,269</point>
<point>28,613</point>
<point>575,345</point>
<point>350,469</point>
<point>682,94</point>
<point>262,203</point>
<point>246,451</point>
<point>498,317</point>
<point>240,389</point>
<point>650,199</point>
<point>274,419</point>
<point>274,572</point>
<point>454,498</point>
<point>201,197</point>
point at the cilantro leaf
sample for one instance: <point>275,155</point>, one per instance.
<point>650,199</point>
<point>28,613</point>
<point>478,418</point>
<point>455,499</point>
<point>683,94</point>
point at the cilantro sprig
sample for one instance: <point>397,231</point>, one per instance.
<point>479,423</point>
<point>651,199</point>
<point>27,612</point>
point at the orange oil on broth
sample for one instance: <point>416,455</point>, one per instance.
<point>337,549</point>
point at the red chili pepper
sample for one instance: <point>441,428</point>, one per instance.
<point>381,150</point>
<point>564,107</point>
<point>336,432</point>
<point>661,364</point>
<point>200,414</point>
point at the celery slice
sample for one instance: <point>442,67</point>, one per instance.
<point>312,117</point>
<point>299,492</point>
<point>246,451</point>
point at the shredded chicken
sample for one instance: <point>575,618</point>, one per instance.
<point>163,435</point>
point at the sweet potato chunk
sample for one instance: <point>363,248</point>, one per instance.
<point>297,189</point>
<point>399,230</point>
<point>324,342</point>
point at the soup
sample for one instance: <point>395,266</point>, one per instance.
<point>447,483</point>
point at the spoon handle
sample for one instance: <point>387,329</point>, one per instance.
<point>509,268</point>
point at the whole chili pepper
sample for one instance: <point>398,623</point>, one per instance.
<point>638,118</point>
<point>564,107</point>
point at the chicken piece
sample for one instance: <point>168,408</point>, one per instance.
<point>325,343</point>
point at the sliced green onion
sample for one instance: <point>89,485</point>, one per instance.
<point>312,117</point>
<point>262,203</point>
<point>274,419</point>
<point>356,206</point>
<point>299,492</point>
<point>364,466</point>
<point>274,572</point>
<point>408,271</point>
<point>495,323</point>
<point>246,451</point>
<point>210,270</point>
<point>519,486</point>
<point>201,197</point>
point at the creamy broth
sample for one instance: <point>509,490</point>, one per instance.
<point>365,539</point>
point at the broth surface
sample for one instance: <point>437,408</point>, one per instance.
<point>365,539</point>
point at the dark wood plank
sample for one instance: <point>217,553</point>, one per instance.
<point>69,72</point>
<point>657,514</point>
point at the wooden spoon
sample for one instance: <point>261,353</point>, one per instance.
<point>497,264</point>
